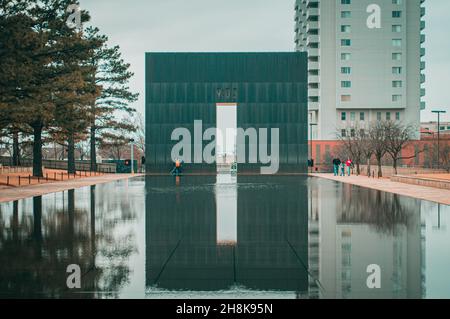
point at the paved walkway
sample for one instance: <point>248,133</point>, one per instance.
<point>445,177</point>
<point>50,176</point>
<point>386,185</point>
<point>17,193</point>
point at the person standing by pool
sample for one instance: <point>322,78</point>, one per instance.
<point>336,164</point>
<point>177,170</point>
<point>349,164</point>
<point>342,166</point>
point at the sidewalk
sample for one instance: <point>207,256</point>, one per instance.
<point>8,194</point>
<point>20,177</point>
<point>445,177</point>
<point>441,196</point>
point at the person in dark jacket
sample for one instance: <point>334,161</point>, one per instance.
<point>336,164</point>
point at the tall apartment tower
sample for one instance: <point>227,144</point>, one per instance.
<point>364,62</point>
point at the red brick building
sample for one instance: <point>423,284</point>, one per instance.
<point>421,153</point>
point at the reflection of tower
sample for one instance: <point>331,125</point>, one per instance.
<point>435,257</point>
<point>313,243</point>
<point>360,227</point>
<point>423,244</point>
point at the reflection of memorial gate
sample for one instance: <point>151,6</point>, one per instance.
<point>252,240</point>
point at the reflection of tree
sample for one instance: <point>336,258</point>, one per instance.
<point>36,249</point>
<point>113,248</point>
<point>384,211</point>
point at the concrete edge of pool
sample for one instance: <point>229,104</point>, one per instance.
<point>18,193</point>
<point>437,195</point>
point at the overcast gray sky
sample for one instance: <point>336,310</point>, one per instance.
<point>140,26</point>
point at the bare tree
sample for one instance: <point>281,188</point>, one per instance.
<point>115,142</point>
<point>443,158</point>
<point>377,142</point>
<point>83,148</point>
<point>397,136</point>
<point>353,139</point>
<point>367,150</point>
<point>140,132</point>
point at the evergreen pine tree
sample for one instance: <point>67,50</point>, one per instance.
<point>112,75</point>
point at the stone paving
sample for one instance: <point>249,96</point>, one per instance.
<point>445,177</point>
<point>386,185</point>
<point>421,192</point>
<point>24,178</point>
<point>16,193</point>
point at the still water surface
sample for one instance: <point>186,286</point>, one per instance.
<point>224,237</point>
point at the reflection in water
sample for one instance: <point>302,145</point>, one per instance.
<point>360,227</point>
<point>269,251</point>
<point>224,236</point>
<point>40,237</point>
<point>383,211</point>
<point>226,202</point>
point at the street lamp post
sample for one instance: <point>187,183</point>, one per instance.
<point>311,125</point>
<point>438,112</point>
<point>132,155</point>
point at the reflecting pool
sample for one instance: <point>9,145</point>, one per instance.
<point>224,237</point>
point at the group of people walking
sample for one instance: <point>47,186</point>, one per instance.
<point>339,167</point>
